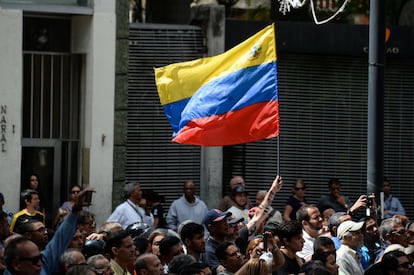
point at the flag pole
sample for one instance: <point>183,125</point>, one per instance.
<point>278,136</point>
<point>278,155</point>
<point>376,64</point>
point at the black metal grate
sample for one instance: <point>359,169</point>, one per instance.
<point>323,120</point>
<point>152,159</point>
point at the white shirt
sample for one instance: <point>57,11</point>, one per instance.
<point>128,213</point>
<point>348,261</point>
<point>307,250</point>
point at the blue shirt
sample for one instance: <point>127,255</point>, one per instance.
<point>57,245</point>
<point>393,206</point>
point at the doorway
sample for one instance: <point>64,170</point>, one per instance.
<point>42,158</point>
<point>51,109</point>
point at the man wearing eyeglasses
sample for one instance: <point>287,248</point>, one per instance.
<point>56,246</point>
<point>100,264</point>
<point>36,232</point>
<point>23,257</point>
<point>392,231</point>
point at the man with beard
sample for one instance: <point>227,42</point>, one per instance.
<point>230,257</point>
<point>192,235</point>
<point>350,234</point>
<point>311,220</point>
<point>121,249</point>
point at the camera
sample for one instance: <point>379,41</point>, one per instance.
<point>369,201</point>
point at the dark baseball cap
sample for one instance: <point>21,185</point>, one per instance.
<point>215,215</point>
<point>238,189</point>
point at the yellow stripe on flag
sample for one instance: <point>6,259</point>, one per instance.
<point>181,80</point>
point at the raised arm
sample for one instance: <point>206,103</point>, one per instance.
<point>264,207</point>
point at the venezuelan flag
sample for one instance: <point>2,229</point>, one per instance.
<point>226,99</point>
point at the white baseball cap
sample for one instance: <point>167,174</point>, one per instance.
<point>348,226</point>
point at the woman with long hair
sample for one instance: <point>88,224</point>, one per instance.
<point>154,240</point>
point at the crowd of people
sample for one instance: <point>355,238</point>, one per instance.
<point>240,236</point>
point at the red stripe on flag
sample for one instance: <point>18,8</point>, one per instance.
<point>255,122</point>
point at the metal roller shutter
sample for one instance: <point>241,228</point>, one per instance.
<point>323,108</point>
<point>323,120</point>
<point>152,159</point>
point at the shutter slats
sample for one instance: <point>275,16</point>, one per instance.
<point>323,129</point>
<point>323,123</point>
<point>152,159</point>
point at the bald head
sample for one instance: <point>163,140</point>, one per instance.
<point>148,264</point>
<point>260,195</point>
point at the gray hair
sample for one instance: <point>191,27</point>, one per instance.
<point>93,259</point>
<point>67,259</point>
<point>129,188</point>
<point>387,227</point>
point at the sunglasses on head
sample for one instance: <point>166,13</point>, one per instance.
<point>34,260</point>
<point>400,232</point>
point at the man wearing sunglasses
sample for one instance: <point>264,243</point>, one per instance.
<point>51,252</point>
<point>100,264</point>
<point>392,231</point>
<point>23,257</point>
